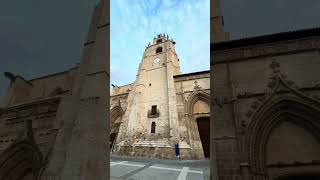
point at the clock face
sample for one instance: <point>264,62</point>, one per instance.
<point>156,61</point>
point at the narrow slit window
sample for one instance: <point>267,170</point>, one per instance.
<point>153,127</point>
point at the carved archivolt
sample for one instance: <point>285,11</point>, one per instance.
<point>269,116</point>
<point>115,112</point>
<point>273,109</point>
<point>277,85</point>
<point>194,97</point>
<point>21,159</point>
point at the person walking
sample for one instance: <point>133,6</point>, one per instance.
<point>177,151</point>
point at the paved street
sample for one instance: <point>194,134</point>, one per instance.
<point>144,169</point>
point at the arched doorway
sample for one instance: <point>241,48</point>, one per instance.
<point>116,118</point>
<point>112,139</point>
<point>284,136</point>
<point>204,132</point>
<point>21,161</point>
<point>198,109</point>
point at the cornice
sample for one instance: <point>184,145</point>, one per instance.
<point>31,103</point>
<point>265,50</point>
<point>247,95</point>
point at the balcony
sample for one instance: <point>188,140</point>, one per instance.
<point>153,114</point>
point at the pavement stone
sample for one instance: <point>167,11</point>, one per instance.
<point>136,168</point>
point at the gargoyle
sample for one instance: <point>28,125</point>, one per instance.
<point>115,86</point>
<point>10,76</point>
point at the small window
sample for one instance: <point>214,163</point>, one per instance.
<point>159,41</point>
<point>153,127</point>
<point>159,50</point>
<point>153,110</point>
<point>149,84</point>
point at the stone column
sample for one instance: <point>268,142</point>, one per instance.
<point>215,26</point>
<point>81,149</point>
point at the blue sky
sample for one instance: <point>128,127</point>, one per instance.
<point>41,37</point>
<point>134,23</point>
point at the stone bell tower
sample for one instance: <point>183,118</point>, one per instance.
<point>149,125</point>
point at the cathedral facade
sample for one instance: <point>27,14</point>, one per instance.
<point>162,108</point>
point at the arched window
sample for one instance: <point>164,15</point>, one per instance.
<point>153,127</point>
<point>159,50</point>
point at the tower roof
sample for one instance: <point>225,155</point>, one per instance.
<point>162,37</point>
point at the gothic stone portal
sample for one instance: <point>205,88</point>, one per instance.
<point>267,126</point>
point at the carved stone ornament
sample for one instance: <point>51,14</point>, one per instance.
<point>194,97</point>
<point>196,86</point>
<point>273,108</point>
<point>278,82</point>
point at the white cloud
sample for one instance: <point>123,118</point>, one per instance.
<point>139,21</point>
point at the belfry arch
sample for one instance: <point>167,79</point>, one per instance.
<point>278,130</point>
